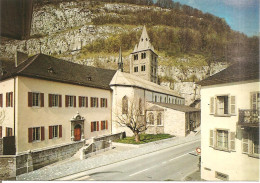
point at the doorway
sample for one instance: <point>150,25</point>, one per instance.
<point>77,133</point>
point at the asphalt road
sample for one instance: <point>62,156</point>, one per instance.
<point>173,163</point>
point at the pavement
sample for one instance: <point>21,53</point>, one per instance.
<point>116,154</point>
<point>194,176</point>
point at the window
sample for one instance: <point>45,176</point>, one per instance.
<point>35,99</point>
<point>1,100</point>
<point>94,126</point>
<point>104,125</point>
<point>55,100</point>
<point>9,99</point>
<point>124,105</point>
<point>8,132</point>
<point>35,134</point>
<point>222,139</point>
<point>151,118</point>
<point>143,55</point>
<point>55,131</point>
<point>94,102</point>
<point>103,102</point>
<point>255,100</point>
<point>159,119</point>
<point>136,69</point>
<point>223,105</point>
<point>250,142</point>
<point>70,101</point>
<point>136,57</point>
<point>155,98</point>
<point>83,101</point>
<point>143,68</point>
<point>221,176</point>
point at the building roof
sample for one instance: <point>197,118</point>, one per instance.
<point>240,71</point>
<point>155,108</point>
<point>126,79</point>
<point>50,68</point>
<point>144,42</point>
<point>182,108</point>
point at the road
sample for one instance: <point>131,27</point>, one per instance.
<point>173,163</point>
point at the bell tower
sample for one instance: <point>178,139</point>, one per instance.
<point>143,62</point>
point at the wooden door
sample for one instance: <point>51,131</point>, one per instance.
<point>77,133</point>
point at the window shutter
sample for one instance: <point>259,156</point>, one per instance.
<point>233,105</point>
<point>42,133</point>
<point>97,101</point>
<point>50,100</point>
<point>29,99</point>
<point>42,100</point>
<point>91,102</point>
<point>11,132</point>
<point>102,127</point>
<point>11,96</point>
<point>6,100</point>
<point>214,138</point>
<point>1,100</point>
<point>60,131</point>
<point>80,102</point>
<point>211,138</point>
<point>50,132</point>
<point>97,125</point>
<point>86,101</point>
<point>245,143</point>
<point>66,100</point>
<point>212,105</point>
<point>74,101</point>
<point>30,131</point>
<point>101,102</point>
<point>106,102</point>
<point>60,101</point>
<point>92,126</point>
<point>106,125</point>
<point>253,102</point>
<point>232,142</point>
<point>1,132</point>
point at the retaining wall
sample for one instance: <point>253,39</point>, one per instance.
<point>1,146</point>
<point>7,167</point>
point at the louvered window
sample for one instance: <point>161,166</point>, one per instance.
<point>224,105</point>
<point>250,142</point>
<point>222,140</point>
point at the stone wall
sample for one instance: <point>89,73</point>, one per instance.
<point>7,167</point>
<point>1,146</point>
<point>111,137</point>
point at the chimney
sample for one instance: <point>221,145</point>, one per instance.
<point>20,57</point>
<point>120,61</point>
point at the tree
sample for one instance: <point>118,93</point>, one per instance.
<point>132,116</point>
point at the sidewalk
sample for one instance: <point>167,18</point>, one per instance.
<point>195,176</point>
<point>108,157</point>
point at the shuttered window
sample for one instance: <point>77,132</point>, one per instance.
<point>223,105</point>
<point>94,126</point>
<point>36,134</point>
<point>255,100</point>
<point>94,102</point>
<point>103,102</point>
<point>1,100</point>
<point>222,140</point>
<point>9,99</point>
<point>245,143</point>
<point>250,142</point>
<point>55,100</point>
<point>83,101</point>
<point>35,99</point>
<point>104,125</point>
<point>70,101</point>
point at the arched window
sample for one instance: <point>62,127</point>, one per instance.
<point>124,105</point>
<point>151,118</point>
<point>159,119</point>
<point>140,106</point>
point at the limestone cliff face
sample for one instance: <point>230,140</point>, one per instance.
<point>63,29</point>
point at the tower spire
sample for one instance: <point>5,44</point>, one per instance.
<point>120,61</point>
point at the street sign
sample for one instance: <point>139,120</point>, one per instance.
<point>198,150</point>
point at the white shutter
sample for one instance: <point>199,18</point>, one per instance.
<point>232,139</point>
<point>253,102</point>
<point>233,105</point>
<point>212,105</point>
<point>215,138</point>
<point>245,143</point>
<point>211,138</point>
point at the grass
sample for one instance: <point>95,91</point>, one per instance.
<point>144,138</point>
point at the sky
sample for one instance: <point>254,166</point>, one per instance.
<point>240,15</point>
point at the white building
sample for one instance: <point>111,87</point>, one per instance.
<point>230,104</point>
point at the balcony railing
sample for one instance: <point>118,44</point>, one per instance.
<point>248,117</point>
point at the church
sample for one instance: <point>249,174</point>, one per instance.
<point>49,104</point>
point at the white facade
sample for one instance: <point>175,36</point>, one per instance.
<point>224,154</point>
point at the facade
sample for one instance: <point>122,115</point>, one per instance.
<point>64,102</point>
<point>144,61</point>
<point>178,120</point>
<point>130,90</point>
<point>230,107</point>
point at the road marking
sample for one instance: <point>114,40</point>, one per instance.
<point>162,163</point>
<point>139,172</point>
<point>180,156</point>
<point>83,178</point>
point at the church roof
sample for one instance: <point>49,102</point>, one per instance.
<point>130,80</point>
<point>50,68</point>
<point>177,107</point>
<point>144,42</point>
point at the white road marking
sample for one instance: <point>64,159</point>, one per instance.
<point>83,178</point>
<point>162,163</point>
